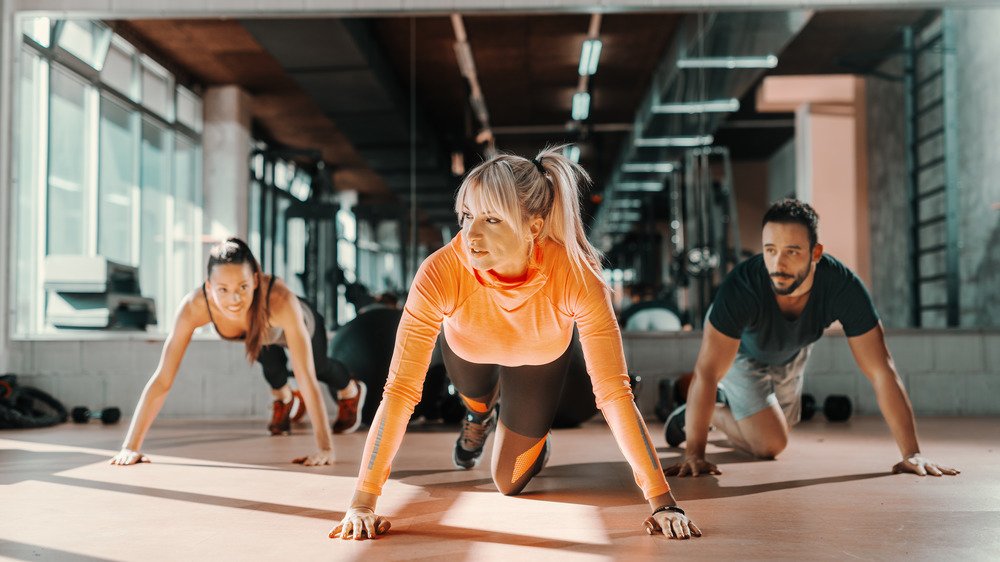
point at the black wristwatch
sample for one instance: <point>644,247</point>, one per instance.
<point>673,508</point>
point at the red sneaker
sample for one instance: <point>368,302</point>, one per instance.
<point>298,406</point>
<point>349,410</point>
<point>281,422</point>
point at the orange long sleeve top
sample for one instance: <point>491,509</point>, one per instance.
<point>488,321</point>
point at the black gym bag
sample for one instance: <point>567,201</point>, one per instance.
<point>23,407</point>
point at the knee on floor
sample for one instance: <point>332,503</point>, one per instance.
<point>771,448</point>
<point>505,487</point>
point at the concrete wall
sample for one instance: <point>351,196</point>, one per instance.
<point>887,197</point>
<point>977,51</point>
<point>946,372</point>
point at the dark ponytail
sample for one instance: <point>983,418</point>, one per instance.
<point>236,251</point>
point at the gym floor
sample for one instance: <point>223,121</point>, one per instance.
<point>224,490</point>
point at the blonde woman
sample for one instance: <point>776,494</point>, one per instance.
<point>508,290</point>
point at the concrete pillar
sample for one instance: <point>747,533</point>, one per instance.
<point>226,143</point>
<point>831,157</point>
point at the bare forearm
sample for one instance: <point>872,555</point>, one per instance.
<point>897,411</point>
<point>317,413</point>
<point>150,402</point>
<point>700,407</point>
<point>662,500</point>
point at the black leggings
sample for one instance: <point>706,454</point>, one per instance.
<point>529,395</point>
<point>274,360</point>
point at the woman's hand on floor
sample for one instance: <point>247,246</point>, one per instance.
<point>360,523</point>
<point>319,458</point>
<point>922,466</point>
<point>672,524</point>
<point>126,457</point>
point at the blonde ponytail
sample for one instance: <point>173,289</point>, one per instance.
<point>548,186</point>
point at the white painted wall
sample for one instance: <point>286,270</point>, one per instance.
<point>946,372</point>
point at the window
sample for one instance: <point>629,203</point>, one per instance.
<point>118,184</point>
<point>39,30</point>
<point>188,109</point>
<point>155,213</point>
<point>86,40</point>
<point>186,256</point>
<point>100,169</point>
<point>67,197</point>
<point>157,89</point>
<point>119,69</point>
<point>30,155</point>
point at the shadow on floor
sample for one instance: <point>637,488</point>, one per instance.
<point>203,499</point>
<point>23,551</point>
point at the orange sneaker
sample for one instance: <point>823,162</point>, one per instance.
<point>349,410</point>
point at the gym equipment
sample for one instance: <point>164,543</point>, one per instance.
<point>23,407</point>
<point>95,292</point>
<point>108,416</point>
<point>365,346</point>
<point>836,407</point>
<point>704,229</point>
<point>680,388</point>
<point>577,403</point>
<point>664,400</point>
<point>673,393</point>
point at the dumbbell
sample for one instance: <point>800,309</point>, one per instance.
<point>108,416</point>
<point>836,407</point>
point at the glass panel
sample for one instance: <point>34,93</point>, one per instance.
<point>87,40</point>
<point>117,71</point>
<point>184,270</point>
<point>296,254</point>
<point>118,183</point>
<point>39,29</point>
<point>280,265</point>
<point>30,159</point>
<point>255,227</point>
<point>67,228</point>
<point>188,109</point>
<point>155,208</point>
<point>156,92</point>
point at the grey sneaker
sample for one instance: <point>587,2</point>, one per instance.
<point>469,446</point>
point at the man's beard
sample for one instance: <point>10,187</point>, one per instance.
<point>799,279</point>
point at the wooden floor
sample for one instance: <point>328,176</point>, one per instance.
<point>222,490</point>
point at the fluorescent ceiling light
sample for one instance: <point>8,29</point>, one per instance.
<point>581,106</point>
<point>769,61</point>
<point>664,167</point>
<point>572,152</point>
<point>675,141</point>
<point>589,55</point>
<point>640,186</point>
<point>711,106</point>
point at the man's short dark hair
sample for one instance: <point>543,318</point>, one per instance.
<point>797,212</point>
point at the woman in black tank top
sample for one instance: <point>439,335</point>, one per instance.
<point>244,305</point>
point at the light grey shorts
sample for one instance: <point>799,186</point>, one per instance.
<point>751,386</point>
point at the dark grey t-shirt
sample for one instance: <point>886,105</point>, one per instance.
<point>745,308</point>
